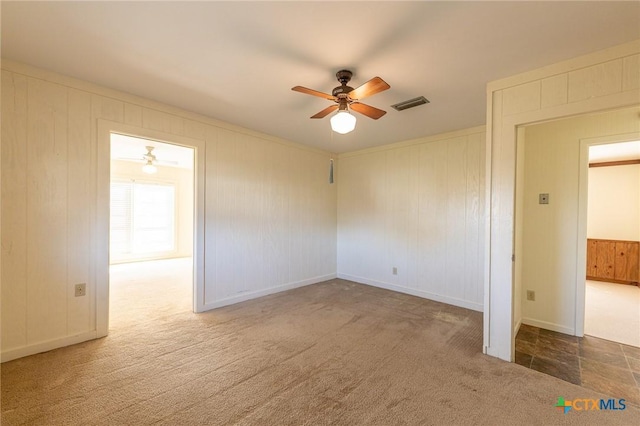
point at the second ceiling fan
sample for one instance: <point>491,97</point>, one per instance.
<point>346,97</point>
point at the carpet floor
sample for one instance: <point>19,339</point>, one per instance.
<point>612,312</point>
<point>330,353</point>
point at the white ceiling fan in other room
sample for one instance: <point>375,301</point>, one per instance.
<point>150,161</point>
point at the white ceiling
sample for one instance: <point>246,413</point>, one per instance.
<point>237,61</point>
<point>615,152</point>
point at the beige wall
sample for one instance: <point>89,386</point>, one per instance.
<point>614,203</point>
<point>550,232</point>
<point>183,180</point>
<point>417,206</point>
<point>270,214</point>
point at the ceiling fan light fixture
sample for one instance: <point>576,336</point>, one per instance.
<point>346,98</point>
<point>343,122</point>
<point>149,168</point>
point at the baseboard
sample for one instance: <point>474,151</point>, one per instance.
<point>40,347</point>
<point>517,327</point>
<point>611,280</point>
<point>49,345</point>
<point>549,326</point>
<point>424,294</point>
<point>243,297</point>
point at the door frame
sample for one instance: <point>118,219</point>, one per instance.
<point>101,242</point>
<point>583,191</point>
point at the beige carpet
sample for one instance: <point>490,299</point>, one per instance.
<point>145,291</point>
<point>331,353</point>
<point>612,312</point>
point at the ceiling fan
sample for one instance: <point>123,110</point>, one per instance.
<point>149,167</point>
<point>150,160</point>
<point>347,97</point>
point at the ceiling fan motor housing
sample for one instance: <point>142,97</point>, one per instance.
<point>149,155</point>
<point>341,90</point>
<point>343,76</point>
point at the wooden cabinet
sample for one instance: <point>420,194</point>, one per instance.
<point>613,261</point>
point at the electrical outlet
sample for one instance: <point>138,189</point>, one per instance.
<point>81,290</point>
<point>395,271</point>
<point>531,295</point>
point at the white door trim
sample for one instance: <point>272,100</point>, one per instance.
<point>101,242</point>
<point>499,336</point>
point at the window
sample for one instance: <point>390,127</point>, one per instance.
<point>142,219</point>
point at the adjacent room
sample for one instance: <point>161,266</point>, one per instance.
<point>569,325</point>
<point>317,212</point>
<point>612,305</point>
<point>150,230</point>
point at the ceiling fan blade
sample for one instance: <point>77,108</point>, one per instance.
<point>325,112</point>
<point>313,92</point>
<point>130,159</point>
<point>142,160</point>
<point>367,110</point>
<point>371,87</point>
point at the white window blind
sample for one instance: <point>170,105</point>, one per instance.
<point>142,219</point>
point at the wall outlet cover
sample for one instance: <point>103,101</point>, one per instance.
<point>80,290</point>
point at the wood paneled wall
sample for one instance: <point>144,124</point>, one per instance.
<point>613,261</point>
<point>270,212</point>
<point>418,207</point>
<point>271,218</point>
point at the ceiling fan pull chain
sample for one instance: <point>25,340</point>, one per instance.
<point>331,171</point>
<point>331,160</point>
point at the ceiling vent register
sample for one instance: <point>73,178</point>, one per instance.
<point>401,106</point>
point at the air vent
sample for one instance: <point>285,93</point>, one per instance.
<point>401,106</point>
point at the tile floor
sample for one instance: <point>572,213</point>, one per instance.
<point>598,364</point>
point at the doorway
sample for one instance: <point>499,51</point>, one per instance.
<point>550,238</point>
<point>151,233</point>
<point>612,295</point>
